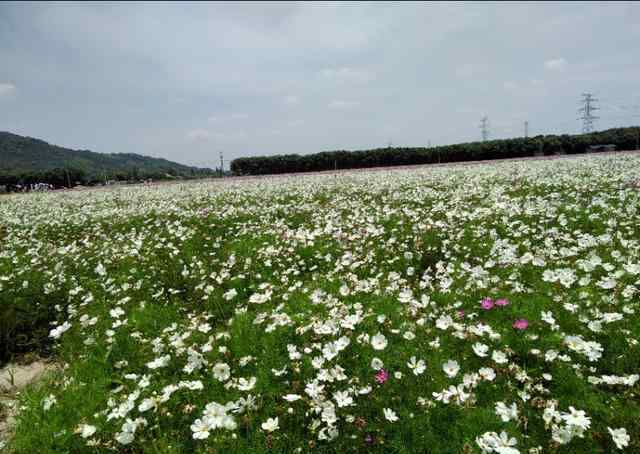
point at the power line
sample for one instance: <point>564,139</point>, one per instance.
<point>484,127</point>
<point>587,110</point>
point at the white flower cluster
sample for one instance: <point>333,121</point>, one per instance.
<point>565,425</point>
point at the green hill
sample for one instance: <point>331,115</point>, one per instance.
<point>25,159</point>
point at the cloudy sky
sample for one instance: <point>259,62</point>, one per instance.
<point>187,81</point>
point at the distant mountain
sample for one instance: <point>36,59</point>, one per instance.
<point>26,156</point>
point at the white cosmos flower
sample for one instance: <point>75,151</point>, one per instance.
<point>214,409</point>
<point>227,422</point>
<point>379,342</point>
<point>620,437</point>
<point>487,373</point>
<point>147,404</point>
<point>506,413</point>
<point>159,362</point>
<point>291,397</point>
<point>86,430</point>
<point>270,425</point>
<point>480,349</point>
<point>577,418</point>
<point>60,330</point>
<point>492,442</point>
<point>48,402</point>
<point>390,415</point>
<point>246,385</point>
<point>200,429</point>
<point>607,283</point>
<point>451,368</point>
<point>499,357</point>
<point>377,364</point>
<point>221,371</point>
<point>100,270</point>
<point>260,298</point>
<point>124,438</point>
<point>230,294</point>
<point>342,398</point>
<point>417,366</point>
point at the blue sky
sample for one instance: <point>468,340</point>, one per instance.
<point>187,81</point>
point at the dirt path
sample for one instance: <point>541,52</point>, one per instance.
<point>14,378</point>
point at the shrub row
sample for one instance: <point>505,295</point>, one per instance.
<point>622,138</point>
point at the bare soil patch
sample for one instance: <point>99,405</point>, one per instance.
<point>13,378</point>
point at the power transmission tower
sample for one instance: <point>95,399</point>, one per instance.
<point>587,110</point>
<point>526,129</point>
<point>484,127</point>
<point>221,165</point>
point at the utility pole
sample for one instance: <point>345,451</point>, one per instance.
<point>587,110</point>
<point>484,127</point>
<point>221,165</point>
<point>526,129</point>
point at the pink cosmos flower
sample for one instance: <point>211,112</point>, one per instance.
<point>487,304</point>
<point>502,302</point>
<point>370,439</point>
<point>382,376</point>
<point>521,324</point>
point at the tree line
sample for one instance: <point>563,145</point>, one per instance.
<point>622,138</point>
<point>65,177</point>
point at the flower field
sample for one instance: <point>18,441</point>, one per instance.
<point>491,308</point>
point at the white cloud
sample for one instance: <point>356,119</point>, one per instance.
<point>239,116</point>
<point>510,86</point>
<point>346,74</point>
<point>338,104</point>
<point>7,88</point>
<point>198,135</point>
<point>291,100</point>
<point>556,64</point>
